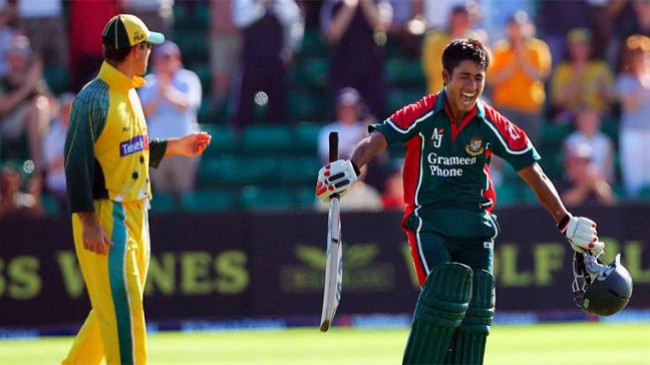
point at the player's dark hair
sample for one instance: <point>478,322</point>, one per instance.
<point>116,56</point>
<point>464,49</point>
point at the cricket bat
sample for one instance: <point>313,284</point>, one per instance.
<point>334,267</point>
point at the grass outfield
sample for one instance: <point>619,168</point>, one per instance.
<point>575,343</point>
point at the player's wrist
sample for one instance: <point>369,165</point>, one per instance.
<point>356,169</point>
<point>564,223</point>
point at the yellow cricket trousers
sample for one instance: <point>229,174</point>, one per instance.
<point>115,327</point>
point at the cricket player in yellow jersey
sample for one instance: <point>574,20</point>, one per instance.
<point>107,159</point>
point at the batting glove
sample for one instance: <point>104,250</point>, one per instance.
<point>581,233</point>
<point>335,178</point>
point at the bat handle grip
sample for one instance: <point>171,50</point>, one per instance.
<point>334,146</point>
<point>334,150</point>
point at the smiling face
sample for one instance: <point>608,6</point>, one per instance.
<point>464,86</point>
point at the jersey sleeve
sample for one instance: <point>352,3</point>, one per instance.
<point>157,149</point>
<point>405,123</point>
<point>87,120</point>
<point>509,141</point>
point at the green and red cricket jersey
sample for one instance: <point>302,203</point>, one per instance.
<point>447,183</point>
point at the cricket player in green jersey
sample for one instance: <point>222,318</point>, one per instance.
<point>450,137</point>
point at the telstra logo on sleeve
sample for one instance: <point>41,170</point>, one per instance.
<point>135,144</point>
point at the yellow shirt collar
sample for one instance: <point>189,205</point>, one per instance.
<point>117,79</point>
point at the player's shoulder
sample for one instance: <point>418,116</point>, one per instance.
<point>507,132</point>
<point>410,113</point>
<point>95,90</point>
<point>491,114</point>
<point>93,97</point>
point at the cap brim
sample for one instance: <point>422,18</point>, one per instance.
<point>155,38</point>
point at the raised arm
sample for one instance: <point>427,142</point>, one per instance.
<point>335,26</point>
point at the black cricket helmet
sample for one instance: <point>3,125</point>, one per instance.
<point>598,288</point>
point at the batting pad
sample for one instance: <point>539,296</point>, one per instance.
<point>468,344</point>
<point>440,309</point>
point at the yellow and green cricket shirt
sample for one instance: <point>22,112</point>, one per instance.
<point>107,151</point>
<point>107,159</point>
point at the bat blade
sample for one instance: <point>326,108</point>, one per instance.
<point>334,266</point>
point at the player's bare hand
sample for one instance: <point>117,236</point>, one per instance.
<point>95,239</point>
<point>582,234</point>
<point>191,145</point>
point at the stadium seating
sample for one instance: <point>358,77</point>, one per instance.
<point>265,138</point>
<point>261,198</point>
<point>644,194</point>
<point>50,205</point>
<point>209,201</point>
<point>272,166</point>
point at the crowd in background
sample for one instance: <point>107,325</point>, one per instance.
<point>576,63</point>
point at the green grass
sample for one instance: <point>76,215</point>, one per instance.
<point>556,344</point>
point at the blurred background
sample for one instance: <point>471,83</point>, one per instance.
<point>238,238</point>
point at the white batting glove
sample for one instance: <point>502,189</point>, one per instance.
<point>335,178</point>
<point>581,233</point>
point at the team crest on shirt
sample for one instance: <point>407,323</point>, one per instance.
<point>475,146</point>
<point>436,137</point>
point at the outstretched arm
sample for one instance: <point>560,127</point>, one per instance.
<point>191,145</point>
<point>580,231</point>
<point>546,193</point>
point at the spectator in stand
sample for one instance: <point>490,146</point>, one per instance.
<point>495,13</point>
<point>588,133</point>
<point>633,17</point>
<point>584,184</point>
<point>642,12</point>
<point>633,89</point>
<point>85,51</point>
<point>601,24</point>
<point>224,50</point>
<point>581,81</point>
<point>24,103</point>
<point>349,124</point>
<point>437,12</point>
<point>170,100</point>
<point>407,25</point>
<point>42,22</point>
<point>355,31</point>
<point>12,200</point>
<point>556,18</point>
<point>352,125</point>
<point>7,34</point>
<point>53,151</point>
<point>156,14</point>
<point>272,32</point>
<point>459,26</point>
<point>519,67</point>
